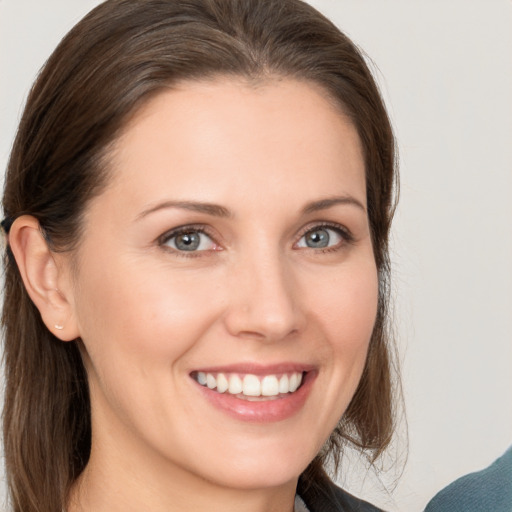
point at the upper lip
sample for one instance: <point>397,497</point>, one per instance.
<point>257,368</point>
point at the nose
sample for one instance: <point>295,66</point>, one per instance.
<point>264,302</point>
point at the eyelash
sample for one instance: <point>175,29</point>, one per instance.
<point>343,232</point>
<point>182,230</point>
<point>162,240</point>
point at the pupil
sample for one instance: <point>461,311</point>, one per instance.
<point>317,239</point>
<point>187,241</point>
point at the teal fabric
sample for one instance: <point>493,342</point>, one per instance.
<point>489,490</point>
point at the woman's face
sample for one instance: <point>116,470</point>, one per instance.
<point>231,247</point>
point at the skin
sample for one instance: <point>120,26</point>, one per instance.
<point>149,315</point>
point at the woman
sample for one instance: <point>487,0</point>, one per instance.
<point>197,204</point>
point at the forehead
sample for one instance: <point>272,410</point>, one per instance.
<point>228,132</point>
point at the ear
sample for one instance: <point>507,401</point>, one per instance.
<point>46,277</point>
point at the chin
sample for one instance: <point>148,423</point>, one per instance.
<point>271,464</point>
<point>272,474</point>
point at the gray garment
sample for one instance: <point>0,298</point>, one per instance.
<point>300,506</point>
<point>489,490</point>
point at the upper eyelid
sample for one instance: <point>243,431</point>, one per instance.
<point>163,240</point>
<point>200,228</point>
<point>325,224</point>
<point>208,231</point>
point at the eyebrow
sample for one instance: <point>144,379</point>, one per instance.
<point>324,204</point>
<point>220,211</point>
<point>194,206</point>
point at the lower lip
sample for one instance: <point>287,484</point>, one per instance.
<point>264,411</point>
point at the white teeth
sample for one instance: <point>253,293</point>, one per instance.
<point>235,385</point>
<point>251,385</point>
<point>269,386</point>
<point>222,383</point>
<point>294,382</point>
<point>284,384</point>
<point>211,381</point>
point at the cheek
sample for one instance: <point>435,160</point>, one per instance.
<point>347,308</point>
<point>346,313</point>
<point>140,314</point>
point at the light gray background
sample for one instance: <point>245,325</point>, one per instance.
<point>445,68</point>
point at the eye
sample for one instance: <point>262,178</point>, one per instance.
<point>188,240</point>
<point>322,237</point>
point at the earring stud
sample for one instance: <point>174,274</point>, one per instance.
<point>59,327</point>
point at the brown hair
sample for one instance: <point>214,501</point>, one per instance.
<point>119,55</point>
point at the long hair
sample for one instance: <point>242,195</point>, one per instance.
<point>120,55</point>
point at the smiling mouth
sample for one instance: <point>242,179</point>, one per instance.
<point>249,386</point>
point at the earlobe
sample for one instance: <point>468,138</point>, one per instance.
<point>44,278</point>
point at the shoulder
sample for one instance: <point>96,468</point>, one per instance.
<point>325,496</point>
<point>489,489</point>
